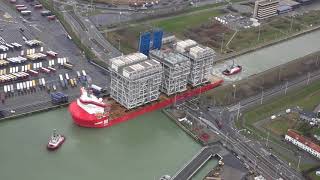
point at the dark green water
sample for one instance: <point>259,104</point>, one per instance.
<point>141,149</point>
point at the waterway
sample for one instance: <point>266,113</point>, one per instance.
<point>271,56</point>
<point>144,148</point>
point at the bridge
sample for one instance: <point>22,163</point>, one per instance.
<point>196,163</point>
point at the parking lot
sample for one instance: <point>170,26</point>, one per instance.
<point>42,69</point>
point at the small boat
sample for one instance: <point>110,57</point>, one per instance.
<point>234,69</point>
<point>55,141</point>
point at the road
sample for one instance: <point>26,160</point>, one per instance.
<point>87,32</point>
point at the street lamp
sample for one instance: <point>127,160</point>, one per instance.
<point>285,91</point>
<point>262,93</point>
<point>119,45</point>
<point>234,91</point>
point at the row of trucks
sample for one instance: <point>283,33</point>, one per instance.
<point>5,78</point>
<point>143,4</point>
<point>4,47</point>
<point>20,59</point>
<point>25,12</point>
<point>73,82</point>
<point>19,87</point>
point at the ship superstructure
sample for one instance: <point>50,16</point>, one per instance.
<point>89,111</point>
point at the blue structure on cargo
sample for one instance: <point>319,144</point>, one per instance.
<point>144,43</point>
<point>305,2</point>
<point>58,98</point>
<point>284,9</point>
<point>157,39</point>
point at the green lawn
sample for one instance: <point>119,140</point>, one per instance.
<point>314,176</point>
<point>280,125</point>
<point>178,24</point>
<point>310,18</point>
<point>307,98</point>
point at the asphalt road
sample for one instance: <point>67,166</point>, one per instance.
<point>88,33</point>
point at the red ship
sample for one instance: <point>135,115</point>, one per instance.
<point>55,141</point>
<point>89,111</point>
<point>234,69</point>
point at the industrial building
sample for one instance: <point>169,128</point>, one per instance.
<point>135,80</point>
<point>176,69</point>
<point>201,59</point>
<point>303,143</point>
<point>265,8</point>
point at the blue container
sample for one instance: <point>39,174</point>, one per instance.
<point>144,43</point>
<point>157,39</point>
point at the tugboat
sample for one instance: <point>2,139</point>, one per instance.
<point>234,69</point>
<point>55,141</point>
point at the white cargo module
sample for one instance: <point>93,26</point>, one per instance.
<point>201,59</point>
<point>176,69</point>
<point>135,80</point>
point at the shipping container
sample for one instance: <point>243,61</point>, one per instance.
<point>71,82</point>
<point>25,13</point>
<point>67,76</point>
<point>21,8</point>
<point>67,65</point>
<point>52,17</point>
<point>33,73</point>
<point>46,13</point>
<point>52,69</point>
<point>60,77</point>
<point>52,54</point>
<point>45,70</point>
<point>38,6</point>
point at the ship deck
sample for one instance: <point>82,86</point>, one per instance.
<point>118,111</point>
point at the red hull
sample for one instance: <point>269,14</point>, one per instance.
<point>82,118</point>
<point>234,72</point>
<point>52,148</point>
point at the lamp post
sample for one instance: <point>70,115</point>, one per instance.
<point>222,43</point>
<point>262,93</point>
<point>286,89</point>
<point>234,91</point>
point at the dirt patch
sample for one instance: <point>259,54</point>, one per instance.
<point>210,34</point>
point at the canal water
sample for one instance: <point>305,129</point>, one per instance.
<point>142,149</point>
<point>271,56</point>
